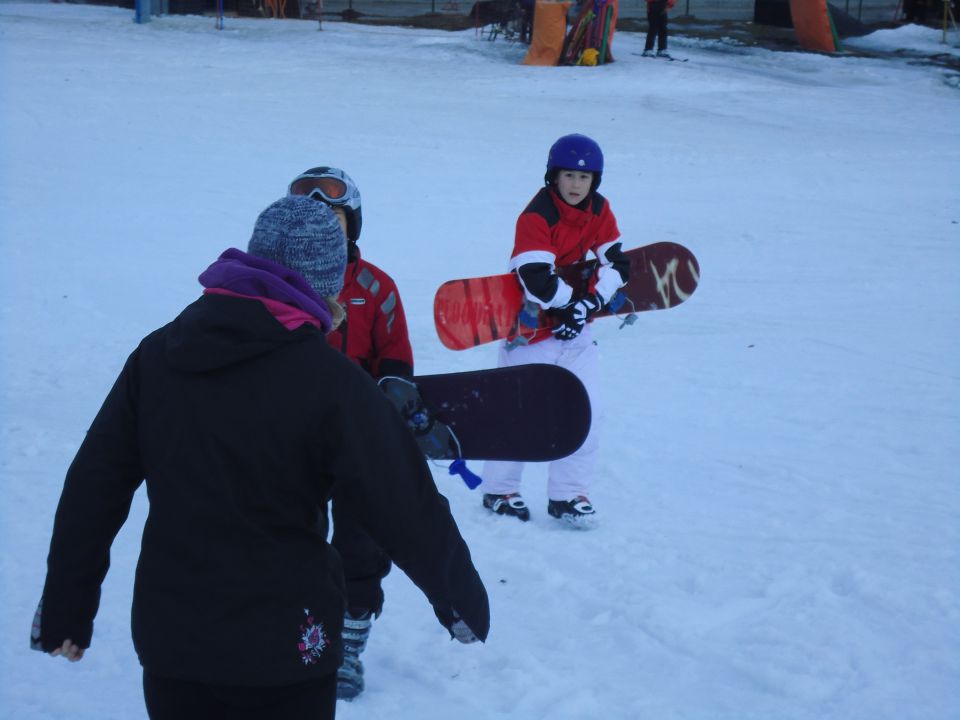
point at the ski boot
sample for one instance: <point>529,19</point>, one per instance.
<point>356,630</point>
<point>578,513</point>
<point>510,504</point>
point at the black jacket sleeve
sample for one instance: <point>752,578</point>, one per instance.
<point>94,504</point>
<point>621,263</point>
<point>539,280</point>
<point>383,476</point>
<point>398,368</point>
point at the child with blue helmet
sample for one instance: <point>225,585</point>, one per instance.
<point>563,223</point>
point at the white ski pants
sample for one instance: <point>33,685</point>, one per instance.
<point>571,476</point>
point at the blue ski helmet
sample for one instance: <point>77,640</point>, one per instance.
<point>575,152</point>
<point>333,187</point>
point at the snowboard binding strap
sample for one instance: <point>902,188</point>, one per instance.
<point>527,319</point>
<point>618,301</point>
<point>436,439</point>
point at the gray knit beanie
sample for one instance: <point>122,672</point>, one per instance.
<point>303,235</point>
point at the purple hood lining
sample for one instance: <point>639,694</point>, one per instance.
<point>247,274</point>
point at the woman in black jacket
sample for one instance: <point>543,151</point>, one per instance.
<point>242,420</point>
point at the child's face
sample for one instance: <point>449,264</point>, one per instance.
<point>574,185</point>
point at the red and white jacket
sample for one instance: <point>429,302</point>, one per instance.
<point>551,233</point>
<point>374,334</point>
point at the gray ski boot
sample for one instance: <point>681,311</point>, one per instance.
<point>356,630</point>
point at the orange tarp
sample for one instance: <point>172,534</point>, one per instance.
<point>549,30</point>
<point>811,22</point>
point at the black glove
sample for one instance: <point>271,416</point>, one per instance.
<point>573,316</point>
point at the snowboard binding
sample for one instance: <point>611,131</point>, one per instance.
<point>435,438</point>
<point>617,302</point>
<point>528,320</point>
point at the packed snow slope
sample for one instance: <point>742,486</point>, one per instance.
<point>778,494</point>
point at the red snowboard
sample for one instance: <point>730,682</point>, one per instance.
<point>475,311</point>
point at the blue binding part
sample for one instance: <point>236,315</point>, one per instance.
<point>529,315</point>
<point>617,301</point>
<point>459,467</point>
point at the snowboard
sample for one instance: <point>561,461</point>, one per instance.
<point>527,413</point>
<point>475,311</point>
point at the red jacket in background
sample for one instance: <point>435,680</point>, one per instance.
<point>374,335</point>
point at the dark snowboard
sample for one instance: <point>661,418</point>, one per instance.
<point>527,413</point>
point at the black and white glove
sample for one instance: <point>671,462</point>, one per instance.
<point>456,626</point>
<point>461,631</point>
<point>573,316</point>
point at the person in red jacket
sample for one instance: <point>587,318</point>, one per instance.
<point>374,335</point>
<point>564,222</point>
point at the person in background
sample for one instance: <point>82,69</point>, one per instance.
<point>243,421</point>
<point>657,27</point>
<point>374,335</point>
<point>915,11</point>
<point>527,9</point>
<point>563,222</point>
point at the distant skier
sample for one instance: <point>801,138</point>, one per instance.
<point>564,222</point>
<point>657,27</point>
<point>243,420</point>
<point>374,335</point>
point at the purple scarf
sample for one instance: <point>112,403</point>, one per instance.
<point>246,274</point>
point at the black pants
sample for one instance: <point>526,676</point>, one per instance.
<point>657,24</point>
<point>169,699</point>
<point>526,22</point>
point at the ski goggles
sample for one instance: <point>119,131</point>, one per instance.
<point>328,189</point>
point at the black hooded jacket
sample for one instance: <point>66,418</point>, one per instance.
<point>242,429</point>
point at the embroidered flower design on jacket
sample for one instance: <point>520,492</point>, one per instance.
<point>313,640</point>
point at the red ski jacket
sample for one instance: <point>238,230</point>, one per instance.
<point>374,334</point>
<point>551,233</point>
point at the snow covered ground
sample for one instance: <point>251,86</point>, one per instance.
<point>779,492</point>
